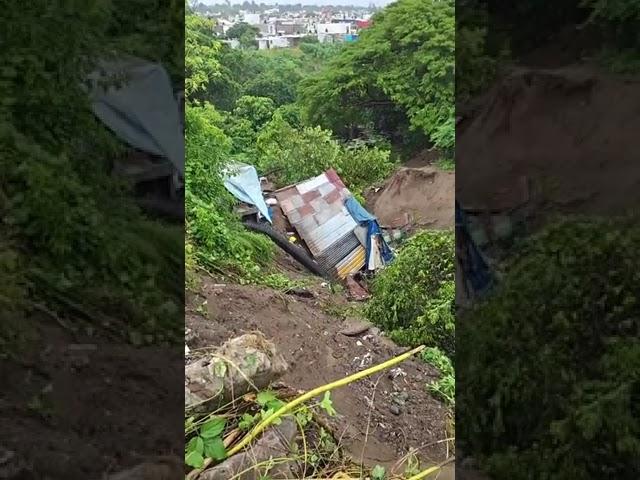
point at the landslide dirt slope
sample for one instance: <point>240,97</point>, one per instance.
<point>571,131</point>
<point>309,338</point>
<point>421,197</point>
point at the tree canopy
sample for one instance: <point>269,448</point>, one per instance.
<point>399,73</point>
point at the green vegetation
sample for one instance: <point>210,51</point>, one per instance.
<point>566,388</point>
<point>397,79</point>
<point>73,242</point>
<point>245,105</point>
<point>258,107</point>
<point>444,387</point>
<point>413,299</point>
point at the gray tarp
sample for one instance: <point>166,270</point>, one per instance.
<point>142,111</point>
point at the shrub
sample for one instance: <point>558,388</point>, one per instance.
<point>549,365</point>
<point>444,387</point>
<point>294,154</point>
<point>413,297</point>
<point>216,237</point>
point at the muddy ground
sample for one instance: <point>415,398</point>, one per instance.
<point>62,408</point>
<point>416,197</point>
<point>569,131</point>
<point>380,419</point>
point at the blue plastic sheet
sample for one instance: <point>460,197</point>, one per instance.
<point>475,268</point>
<point>364,218</point>
<point>142,111</point>
<point>244,184</point>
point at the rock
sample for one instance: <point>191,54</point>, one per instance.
<point>241,365</point>
<point>395,409</point>
<point>354,327</point>
<point>277,442</point>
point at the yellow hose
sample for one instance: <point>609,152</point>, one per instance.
<point>424,473</point>
<point>318,391</point>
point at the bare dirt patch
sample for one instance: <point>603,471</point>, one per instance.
<point>570,131</point>
<point>419,197</point>
<point>62,408</point>
<point>404,416</point>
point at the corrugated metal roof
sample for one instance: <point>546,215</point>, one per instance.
<point>352,263</point>
<point>325,235</point>
<point>315,208</point>
<point>338,251</point>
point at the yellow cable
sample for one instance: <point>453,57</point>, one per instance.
<point>424,473</point>
<point>318,391</point>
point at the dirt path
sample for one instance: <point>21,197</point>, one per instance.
<point>405,416</point>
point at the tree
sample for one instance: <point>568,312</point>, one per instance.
<point>241,29</point>
<point>402,66</point>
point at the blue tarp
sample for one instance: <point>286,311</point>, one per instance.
<point>244,184</point>
<point>143,111</point>
<point>474,266</point>
<point>364,218</point>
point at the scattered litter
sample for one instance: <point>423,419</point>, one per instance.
<point>359,343</point>
<point>397,372</point>
<point>366,360</point>
<point>356,290</point>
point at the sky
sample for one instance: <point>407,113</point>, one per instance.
<point>359,3</point>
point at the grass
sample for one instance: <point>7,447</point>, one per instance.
<point>446,164</point>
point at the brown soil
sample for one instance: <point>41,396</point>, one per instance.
<point>423,197</point>
<point>62,408</point>
<point>571,132</point>
<point>309,338</point>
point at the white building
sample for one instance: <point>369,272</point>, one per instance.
<point>252,18</point>
<point>266,43</point>
<point>279,41</point>
<point>331,32</point>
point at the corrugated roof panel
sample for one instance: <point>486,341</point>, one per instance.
<point>316,210</point>
<point>338,251</point>
<point>351,264</point>
<point>329,232</point>
<point>312,184</point>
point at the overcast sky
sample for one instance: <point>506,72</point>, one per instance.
<point>360,3</point>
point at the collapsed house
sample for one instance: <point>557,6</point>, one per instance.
<point>339,234</point>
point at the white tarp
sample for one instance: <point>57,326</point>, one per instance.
<point>244,184</point>
<point>142,111</point>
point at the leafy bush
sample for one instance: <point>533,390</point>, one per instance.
<point>549,365</point>
<point>413,298</point>
<point>445,386</point>
<point>218,239</point>
<point>292,155</point>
